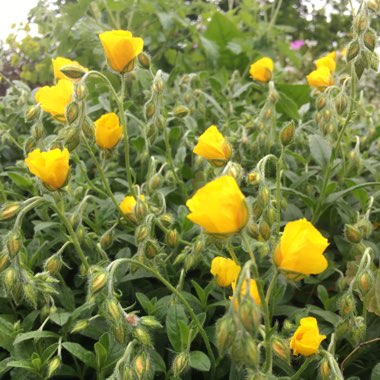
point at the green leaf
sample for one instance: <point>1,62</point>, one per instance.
<point>101,355</point>
<point>375,374</point>
<point>200,361</point>
<point>175,313</point>
<point>221,29</point>
<point>75,349</point>
<point>35,335</point>
<point>287,106</point>
<point>20,181</point>
<point>21,364</point>
<point>299,93</point>
<point>4,366</point>
<point>320,150</point>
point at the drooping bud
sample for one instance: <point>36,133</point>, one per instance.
<point>13,243</point>
<point>106,239</point>
<point>73,71</point>
<point>180,363</point>
<point>54,364</point>
<point>155,182</point>
<point>225,333</point>
<point>257,210</point>
<point>3,261</point>
<point>253,230</point>
<point>287,134</point>
<point>352,234</point>
<point>144,60</point>
<point>142,335</point>
<point>365,227</point>
<point>88,128</point>
<point>98,279</point>
<point>181,111</point>
<point>32,114</point>
<point>352,50</point>
<point>172,238</point>
<point>80,92</point>
<point>235,170</point>
<point>346,304</point>
<point>79,326</point>
<point>373,5</point>
<point>249,315</point>
<point>254,177</point>
<point>365,282</point>
<point>150,321</point>
<point>142,365</point>
<point>281,348</point>
<point>53,264</point>
<point>10,210</point>
<point>324,369</point>
<point>321,102</point>
<point>167,219</point>
<point>113,310</point>
<point>141,233</point>
<point>341,102</point>
<point>265,230</point>
<point>370,39</point>
<point>263,196</point>
<point>360,23</point>
<point>30,293</point>
<point>72,138</point>
<point>150,109</point>
<point>359,330</point>
<point>151,248</point>
<point>119,332</point>
<point>72,112</point>
<point>10,277</point>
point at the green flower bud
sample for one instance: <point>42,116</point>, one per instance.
<point>180,363</point>
<point>225,333</point>
<point>144,60</point>
<point>181,111</point>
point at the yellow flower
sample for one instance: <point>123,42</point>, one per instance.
<point>306,339</point>
<point>108,131</point>
<point>213,146</point>
<point>50,167</point>
<point>224,270</point>
<point>326,61</point>
<point>321,77</point>
<point>253,291</point>
<point>332,55</point>
<point>301,249</point>
<point>60,62</point>
<point>262,69</point>
<point>128,204</point>
<point>120,48</point>
<point>54,99</point>
<point>219,207</point>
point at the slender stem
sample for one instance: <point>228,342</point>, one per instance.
<point>264,305</point>
<point>302,368</point>
<point>334,151</point>
<point>275,14</point>
<point>72,234</point>
<point>232,253</point>
<point>187,306</point>
<point>278,190</point>
<point>271,287</point>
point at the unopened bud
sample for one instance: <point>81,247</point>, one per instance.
<point>119,332</point>
<point>249,315</point>
<point>254,177</point>
<point>324,369</point>
<point>141,233</point>
<point>79,326</point>
<point>141,209</point>
<point>235,170</point>
<point>263,196</point>
<point>98,279</point>
<point>53,366</point>
<point>72,138</point>
<point>352,234</point>
<point>88,128</point>
<point>365,281</point>
<point>225,333</point>
<point>181,111</point>
<point>53,264</point>
<point>150,322</point>
<point>341,102</point>
<point>257,210</point>
<point>365,227</point>
<point>10,277</point>
<point>142,365</point>
<point>32,114</point>
<point>73,71</point>
<point>151,249</point>
<point>352,50</point>
<point>155,182</point>
<point>37,131</point>
<point>265,230</point>
<point>113,310</point>
<point>180,363</point>
<point>198,247</point>
<point>287,134</point>
<point>72,112</point>
<point>13,243</point>
<point>359,330</point>
<point>373,5</point>
<point>321,102</point>
<point>281,348</point>
<point>130,67</point>
<point>346,304</point>
<point>167,219</point>
<point>142,335</point>
<point>10,210</point>
<point>268,114</point>
<point>144,60</point>
<point>360,64</point>
<point>370,39</point>
<point>158,85</point>
<point>80,92</point>
<point>172,238</point>
<point>360,23</point>
<point>30,294</point>
<point>253,230</point>
<point>106,239</point>
<point>150,109</point>
<point>3,261</point>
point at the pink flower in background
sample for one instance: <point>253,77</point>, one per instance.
<point>297,44</point>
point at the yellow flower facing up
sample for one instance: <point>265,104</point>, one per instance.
<point>262,69</point>
<point>219,207</point>
<point>60,62</point>
<point>306,339</point>
<point>321,77</point>
<point>128,204</point>
<point>224,270</point>
<point>51,167</point>
<point>108,131</point>
<point>54,99</point>
<point>120,48</point>
<point>253,291</point>
<point>326,61</point>
<point>213,147</point>
<point>301,249</point>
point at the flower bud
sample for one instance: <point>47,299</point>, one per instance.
<point>32,114</point>
<point>155,182</point>
<point>132,319</point>
<point>265,230</point>
<point>72,138</point>
<point>198,247</point>
<point>88,128</point>
<point>166,219</point>
<point>257,210</point>
<point>360,64</point>
<point>370,39</point>
<point>352,50</point>
<point>263,196</point>
<point>73,71</point>
<point>53,264</point>
<point>3,261</point>
<point>151,249</point>
<point>10,277</point>
<point>235,170</point>
<point>359,330</point>
<point>254,177</point>
<point>270,215</point>
<point>30,294</point>
<point>365,227</point>
<point>79,326</point>
<point>324,369</point>
<point>321,102</point>
<point>54,364</point>
<point>10,210</point>
<point>13,243</point>
<point>352,234</point>
<point>80,92</point>
<point>141,233</point>
<point>150,109</point>
<point>144,60</point>
<point>225,333</point>
<point>249,315</point>
<point>360,23</point>
<point>346,304</point>
<point>142,365</point>
<point>172,238</point>
<point>119,332</point>
<point>253,230</point>
<point>180,363</point>
<point>287,134</point>
<point>106,239</point>
<point>181,111</point>
<point>365,282</point>
<point>128,374</point>
<point>150,322</point>
<point>140,209</point>
<point>72,112</point>
<point>113,310</point>
<point>98,279</point>
<point>281,348</point>
<point>142,335</point>
<point>373,5</point>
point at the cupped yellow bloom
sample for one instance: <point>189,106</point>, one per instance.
<point>332,55</point>
<point>54,99</point>
<point>60,62</point>
<point>128,204</point>
<point>50,167</point>
<point>262,69</point>
<point>213,147</point>
<point>306,339</point>
<point>224,270</point>
<point>219,207</point>
<point>326,61</point>
<point>120,48</point>
<point>321,77</point>
<point>301,249</point>
<point>253,291</point>
<point>108,131</point>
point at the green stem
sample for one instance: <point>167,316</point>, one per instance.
<point>73,236</point>
<point>232,253</point>
<point>334,151</point>
<point>278,190</point>
<point>264,305</point>
<point>302,368</point>
<point>187,306</point>
<point>274,17</point>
